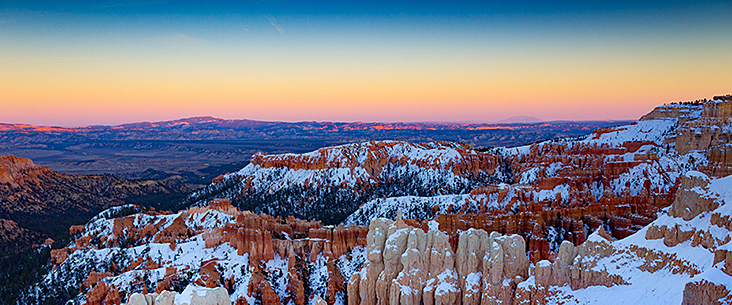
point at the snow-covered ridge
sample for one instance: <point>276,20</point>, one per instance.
<point>435,154</point>
<point>330,183</point>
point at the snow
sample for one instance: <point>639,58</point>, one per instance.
<point>277,274</point>
<point>351,175</point>
<point>723,189</point>
<point>431,164</point>
<point>665,285</point>
<point>543,263</point>
<point>529,176</point>
<point>472,282</point>
<point>318,277</point>
<point>411,207</point>
<point>433,225</point>
<point>350,264</point>
<point>445,282</point>
<point>647,130</point>
<point>549,195</point>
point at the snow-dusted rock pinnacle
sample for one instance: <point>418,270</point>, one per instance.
<point>430,272</point>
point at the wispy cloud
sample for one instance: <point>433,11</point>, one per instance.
<point>273,21</point>
<point>135,3</point>
<point>176,38</point>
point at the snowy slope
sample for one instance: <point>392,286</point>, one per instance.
<point>656,270</point>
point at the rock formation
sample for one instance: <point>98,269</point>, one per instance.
<point>214,246</point>
<point>192,295</point>
<point>423,268</point>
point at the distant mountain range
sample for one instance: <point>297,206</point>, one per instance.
<point>277,129</point>
<point>194,150</point>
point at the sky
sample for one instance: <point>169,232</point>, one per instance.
<point>75,63</point>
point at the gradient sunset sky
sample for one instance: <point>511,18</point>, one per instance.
<point>110,62</point>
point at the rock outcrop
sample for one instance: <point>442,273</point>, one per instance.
<point>490,268</point>
<point>705,292</point>
<point>711,134</point>
<point>192,295</point>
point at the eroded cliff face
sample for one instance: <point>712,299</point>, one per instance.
<point>679,258</point>
<point>16,170</point>
<point>712,135</point>
<point>254,257</point>
<point>682,257</point>
<point>192,295</point>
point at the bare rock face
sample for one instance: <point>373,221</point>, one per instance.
<point>669,111</point>
<point>412,277</point>
<point>561,273</point>
<point>505,265</point>
<point>724,256</point>
<point>720,160</point>
<point>137,299</point>
<point>469,259</point>
<point>705,292</point>
<point>165,298</point>
<point>354,296</point>
<point>691,201</point>
<point>320,301</point>
<point>103,294</point>
<point>708,131</point>
<point>13,168</point>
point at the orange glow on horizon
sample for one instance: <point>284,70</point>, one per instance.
<point>374,70</point>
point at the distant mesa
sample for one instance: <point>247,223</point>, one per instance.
<point>521,119</point>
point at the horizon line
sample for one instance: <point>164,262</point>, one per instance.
<point>469,122</point>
